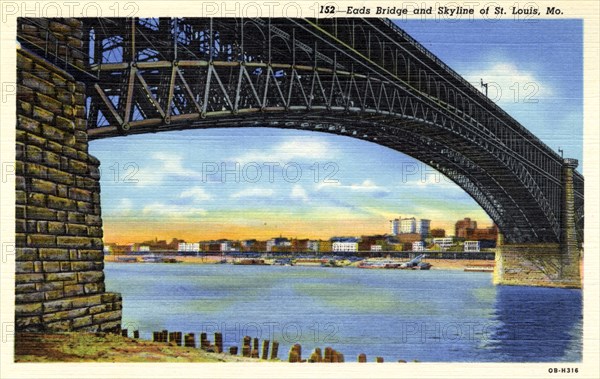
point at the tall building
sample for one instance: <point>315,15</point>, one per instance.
<point>395,227</point>
<point>408,225</point>
<point>461,226</point>
<point>437,233</point>
<point>423,227</point>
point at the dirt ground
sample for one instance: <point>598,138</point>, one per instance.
<point>100,347</point>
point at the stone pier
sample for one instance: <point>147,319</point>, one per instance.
<point>545,264</point>
<point>59,282</point>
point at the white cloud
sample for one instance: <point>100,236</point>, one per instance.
<point>294,148</point>
<point>195,193</point>
<point>253,192</point>
<point>172,211</point>
<point>367,186</point>
<point>168,165</point>
<point>508,84</point>
<point>298,192</point>
<point>328,184</point>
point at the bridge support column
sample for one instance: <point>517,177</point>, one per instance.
<point>545,264</point>
<point>569,245</point>
<point>59,277</point>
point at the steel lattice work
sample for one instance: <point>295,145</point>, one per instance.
<point>364,78</point>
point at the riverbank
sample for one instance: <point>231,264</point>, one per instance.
<point>437,264</point>
<point>101,347</point>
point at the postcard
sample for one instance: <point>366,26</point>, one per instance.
<point>295,189</point>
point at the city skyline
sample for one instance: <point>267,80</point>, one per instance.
<point>159,185</point>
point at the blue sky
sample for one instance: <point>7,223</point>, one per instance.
<point>177,188</point>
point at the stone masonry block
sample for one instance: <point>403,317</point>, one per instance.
<point>90,276</point>
<point>57,305</point>
<point>53,254</point>
<point>41,240</point>
<point>43,115</point>
<point>26,254</point>
<point>76,242</point>
<point>74,290</point>
<point>43,186</point>
<point>37,84</point>
<point>32,297</point>
<point>28,278</point>
<point>77,229</point>
<point>33,153</point>
<point>49,103</point>
<point>28,309</point>
<point>25,123</point>
<point>60,203</point>
<point>39,213</point>
<point>56,227</point>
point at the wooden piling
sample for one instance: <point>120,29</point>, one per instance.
<point>328,355</point>
<point>219,342</point>
<point>362,358</point>
<point>124,333</point>
<point>340,357</point>
<point>136,334</point>
<point>274,350</point>
<point>204,343</point>
<point>233,350</point>
<point>155,336</point>
<point>255,343</point>
<point>246,349</point>
<point>379,359</point>
<point>316,356</point>
<point>293,356</point>
<point>334,356</point>
<point>319,354</point>
<point>190,340</point>
<point>265,349</point>
<point>164,336</point>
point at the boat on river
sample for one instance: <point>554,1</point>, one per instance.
<point>379,264</point>
<point>414,264</point>
<point>481,267</point>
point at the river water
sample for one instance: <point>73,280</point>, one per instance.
<point>430,316</point>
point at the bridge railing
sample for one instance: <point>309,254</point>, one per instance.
<point>463,81</point>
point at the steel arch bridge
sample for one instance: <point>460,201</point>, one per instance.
<point>364,78</point>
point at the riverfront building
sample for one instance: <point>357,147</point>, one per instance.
<point>340,246</point>
<point>418,246</point>
<point>395,227</point>
<point>410,225</point>
<point>471,247</point>
<point>444,243</point>
<point>467,229</point>
<point>461,227</point>
<point>189,247</point>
